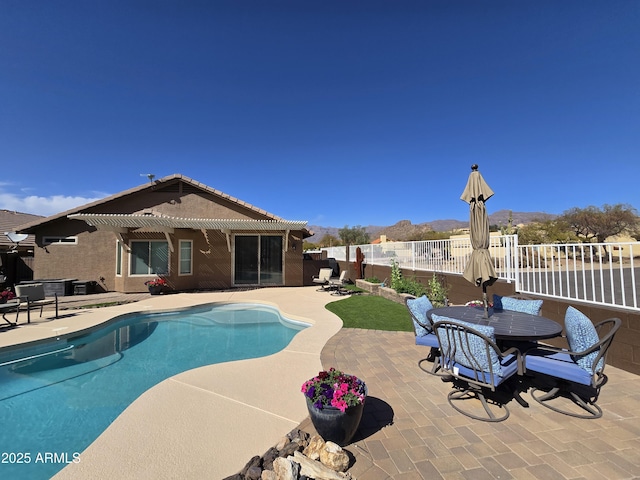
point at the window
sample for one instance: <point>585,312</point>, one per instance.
<point>149,257</point>
<point>258,260</point>
<point>186,257</point>
<point>118,258</point>
<point>48,240</point>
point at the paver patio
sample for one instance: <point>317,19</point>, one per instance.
<point>410,431</point>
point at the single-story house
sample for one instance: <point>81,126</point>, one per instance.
<point>194,236</point>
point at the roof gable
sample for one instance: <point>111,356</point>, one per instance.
<point>165,183</point>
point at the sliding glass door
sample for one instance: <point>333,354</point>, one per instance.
<point>258,260</point>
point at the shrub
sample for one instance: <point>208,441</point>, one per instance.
<point>437,291</point>
<point>396,275</point>
<point>411,286</point>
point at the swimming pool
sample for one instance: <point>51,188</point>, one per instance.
<point>57,398</point>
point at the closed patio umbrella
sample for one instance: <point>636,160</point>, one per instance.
<point>479,269</point>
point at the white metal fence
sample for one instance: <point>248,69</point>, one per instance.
<point>600,273</point>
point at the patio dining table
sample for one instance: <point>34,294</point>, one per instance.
<point>508,325</point>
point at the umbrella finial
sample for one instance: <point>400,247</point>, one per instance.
<point>474,167</point>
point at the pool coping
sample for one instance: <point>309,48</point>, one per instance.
<point>202,422</point>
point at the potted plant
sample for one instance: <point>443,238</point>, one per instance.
<point>335,401</point>
<point>156,286</point>
<point>6,295</point>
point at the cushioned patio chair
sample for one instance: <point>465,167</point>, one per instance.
<point>323,277</point>
<point>336,284</point>
<point>470,355</point>
<point>423,329</point>
<point>576,374</point>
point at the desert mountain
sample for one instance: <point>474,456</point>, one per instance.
<point>404,229</point>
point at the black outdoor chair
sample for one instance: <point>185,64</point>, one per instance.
<point>470,355</point>
<point>576,374</point>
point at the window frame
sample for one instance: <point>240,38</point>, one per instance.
<point>119,258</point>
<point>150,273</point>
<point>180,258</point>
<point>59,240</point>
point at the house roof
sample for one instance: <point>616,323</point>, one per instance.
<point>159,223</point>
<point>9,221</point>
<point>112,219</point>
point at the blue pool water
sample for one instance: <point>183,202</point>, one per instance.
<point>53,405</point>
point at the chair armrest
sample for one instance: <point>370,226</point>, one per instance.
<point>519,357</point>
<point>552,349</point>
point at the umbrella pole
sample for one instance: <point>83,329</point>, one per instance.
<point>484,300</point>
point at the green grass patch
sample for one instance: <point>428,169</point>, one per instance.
<point>372,312</point>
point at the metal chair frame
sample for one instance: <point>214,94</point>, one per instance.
<point>472,381</point>
<point>432,342</point>
<point>583,394</point>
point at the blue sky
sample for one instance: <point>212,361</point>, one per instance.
<point>335,112</point>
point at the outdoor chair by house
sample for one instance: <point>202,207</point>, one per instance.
<point>34,296</point>
<point>576,374</point>
<point>323,277</point>
<point>423,329</point>
<point>336,285</point>
<point>470,355</point>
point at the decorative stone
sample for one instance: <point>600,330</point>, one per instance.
<point>283,441</point>
<point>268,475</point>
<point>254,473</point>
<point>289,448</point>
<point>334,457</point>
<point>254,462</point>
<point>314,469</point>
<point>285,469</point>
<point>313,449</point>
<point>268,458</point>
<point>299,436</point>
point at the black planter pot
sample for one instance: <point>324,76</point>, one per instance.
<point>155,289</point>
<point>336,426</point>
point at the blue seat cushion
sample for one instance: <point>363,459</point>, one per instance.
<point>531,307</point>
<point>419,308</point>
<point>508,367</point>
<point>581,334</point>
<point>476,347</point>
<point>559,365</point>
<point>429,340</point>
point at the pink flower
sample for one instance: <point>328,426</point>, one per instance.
<point>340,404</point>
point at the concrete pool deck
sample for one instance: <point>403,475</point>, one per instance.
<point>208,422</point>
